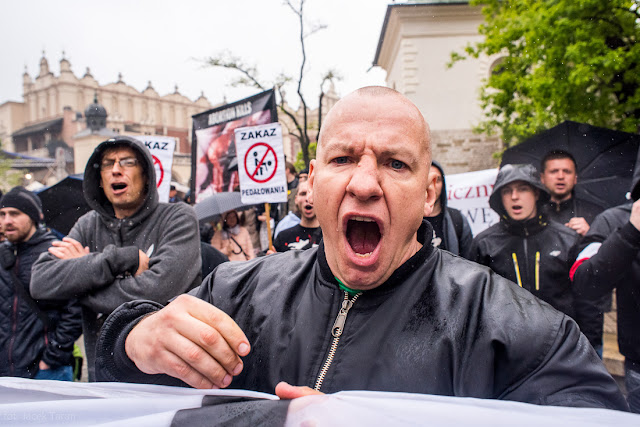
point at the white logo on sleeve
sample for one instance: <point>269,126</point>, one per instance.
<point>554,253</point>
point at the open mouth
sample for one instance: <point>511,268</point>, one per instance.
<point>363,235</point>
<point>118,186</point>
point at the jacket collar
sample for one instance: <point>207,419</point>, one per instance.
<point>526,227</point>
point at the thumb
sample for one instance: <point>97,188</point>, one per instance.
<point>287,391</point>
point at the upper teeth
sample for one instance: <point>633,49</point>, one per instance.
<point>362,218</point>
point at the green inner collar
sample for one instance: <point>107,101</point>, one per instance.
<point>344,287</point>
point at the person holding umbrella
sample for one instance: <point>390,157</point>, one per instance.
<point>233,239</point>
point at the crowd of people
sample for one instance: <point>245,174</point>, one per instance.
<point>372,282</point>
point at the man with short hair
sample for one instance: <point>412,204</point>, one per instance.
<point>451,230</point>
<point>524,246</point>
<point>374,307</point>
<point>130,246</point>
<point>36,337</point>
<point>558,175</point>
<point>305,235</point>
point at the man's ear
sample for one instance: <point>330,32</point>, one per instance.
<point>537,192</point>
<point>430,198</point>
<point>311,180</point>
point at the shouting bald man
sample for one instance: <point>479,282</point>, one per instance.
<point>374,307</point>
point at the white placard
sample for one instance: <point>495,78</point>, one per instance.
<point>261,164</point>
<point>469,192</point>
<point>161,149</point>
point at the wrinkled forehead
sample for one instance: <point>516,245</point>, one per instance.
<point>388,117</point>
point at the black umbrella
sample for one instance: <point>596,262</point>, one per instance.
<point>605,158</point>
<point>63,203</point>
<point>211,208</point>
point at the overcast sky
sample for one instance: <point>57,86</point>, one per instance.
<point>162,40</point>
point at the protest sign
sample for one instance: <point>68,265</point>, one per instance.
<point>261,164</point>
<point>214,147</point>
<point>469,192</point>
<point>161,149</point>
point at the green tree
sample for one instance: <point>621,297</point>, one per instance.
<point>9,178</point>
<point>249,77</point>
<point>558,60</point>
<point>300,163</point>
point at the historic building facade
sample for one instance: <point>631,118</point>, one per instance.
<point>53,109</point>
<point>415,46</point>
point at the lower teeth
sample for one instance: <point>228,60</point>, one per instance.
<point>364,255</point>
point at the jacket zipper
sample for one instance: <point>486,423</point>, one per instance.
<point>537,270</point>
<point>14,322</point>
<point>336,331</point>
<point>514,257</point>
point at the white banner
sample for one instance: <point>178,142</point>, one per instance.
<point>161,149</point>
<point>469,192</point>
<point>261,164</point>
<point>59,403</point>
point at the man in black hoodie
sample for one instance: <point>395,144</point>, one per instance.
<point>609,258</point>
<point>36,337</point>
<point>451,230</point>
<point>130,246</point>
<point>524,246</point>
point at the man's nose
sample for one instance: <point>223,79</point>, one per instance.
<point>116,168</point>
<point>365,181</point>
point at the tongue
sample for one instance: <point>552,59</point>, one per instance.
<point>363,236</point>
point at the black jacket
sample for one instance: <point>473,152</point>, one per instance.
<point>536,250</point>
<point>457,232</point>
<point>439,325</point>
<point>535,253</point>
<point>562,212</point>
<point>610,258</point>
<point>24,340</point>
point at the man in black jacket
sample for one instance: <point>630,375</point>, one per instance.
<point>374,307</point>
<point>558,175</point>
<point>451,230</point>
<point>609,259</point>
<point>524,246</point>
<point>36,337</point>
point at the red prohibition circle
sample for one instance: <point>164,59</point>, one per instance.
<point>157,161</point>
<point>252,175</point>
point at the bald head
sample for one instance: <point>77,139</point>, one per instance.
<point>369,185</point>
<point>350,108</point>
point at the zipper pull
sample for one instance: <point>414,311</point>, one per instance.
<point>338,325</point>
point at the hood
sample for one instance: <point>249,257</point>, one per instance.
<point>93,192</point>
<point>443,194</point>
<point>511,173</point>
<point>635,181</point>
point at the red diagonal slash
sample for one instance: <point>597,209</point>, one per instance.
<point>260,163</point>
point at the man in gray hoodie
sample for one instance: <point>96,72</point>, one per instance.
<point>128,247</point>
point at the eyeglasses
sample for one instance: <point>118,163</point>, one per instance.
<point>127,162</point>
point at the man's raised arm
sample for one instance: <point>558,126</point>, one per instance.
<point>189,339</point>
